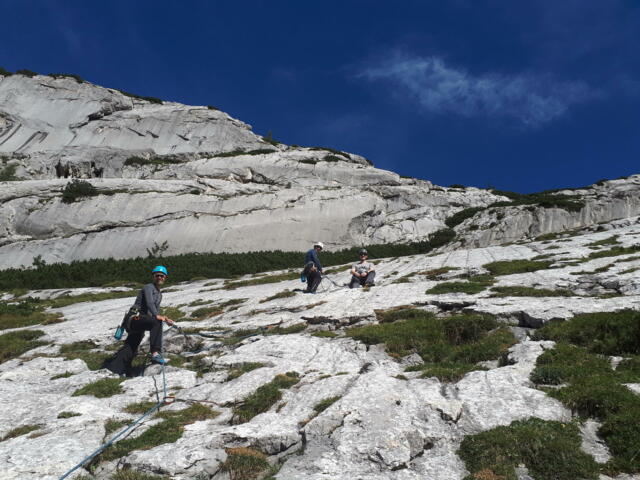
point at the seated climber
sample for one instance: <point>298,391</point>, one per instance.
<point>149,319</point>
<point>362,273</point>
<point>313,268</point>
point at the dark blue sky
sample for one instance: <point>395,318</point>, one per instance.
<point>519,95</point>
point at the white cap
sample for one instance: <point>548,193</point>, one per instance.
<point>319,244</point>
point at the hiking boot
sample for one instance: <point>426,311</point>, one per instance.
<point>159,359</point>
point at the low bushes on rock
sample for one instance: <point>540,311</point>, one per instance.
<point>14,344</point>
<point>549,450</point>
<point>264,397</point>
<point>77,189</point>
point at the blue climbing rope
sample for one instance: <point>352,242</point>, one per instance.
<point>99,450</point>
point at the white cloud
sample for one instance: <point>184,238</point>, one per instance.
<point>531,99</point>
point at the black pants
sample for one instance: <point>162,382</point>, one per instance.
<point>121,362</point>
<point>362,281</point>
<point>313,280</point>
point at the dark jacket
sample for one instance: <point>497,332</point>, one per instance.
<point>148,300</point>
<point>312,257</point>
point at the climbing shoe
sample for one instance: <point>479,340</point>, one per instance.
<point>159,359</point>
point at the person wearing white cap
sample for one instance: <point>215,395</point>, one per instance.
<point>313,268</point>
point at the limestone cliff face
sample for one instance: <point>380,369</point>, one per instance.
<point>202,181</point>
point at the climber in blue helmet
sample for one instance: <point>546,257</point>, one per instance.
<point>148,319</point>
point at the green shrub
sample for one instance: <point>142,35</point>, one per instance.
<point>77,78</point>
<point>571,203</point>
<point>550,450</point>
<point>322,405</point>
<point>5,73</point>
<point>609,333</point>
<point>509,267</point>
<point>105,387</point>
<point>167,431</point>
<point>76,189</point>
<point>244,463</point>
<point>155,160</point>
<point>14,344</point>
<point>455,341</point>
<point>295,328</point>
<point>564,362</point>
<point>24,313</point>
<point>138,97</point>
<point>264,397</point>
<point>99,272</point>
<point>7,173</point>
<point>26,73</point>
<point>459,217</point>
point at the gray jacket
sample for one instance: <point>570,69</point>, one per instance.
<point>148,300</point>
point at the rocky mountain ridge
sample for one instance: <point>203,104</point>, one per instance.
<point>201,181</point>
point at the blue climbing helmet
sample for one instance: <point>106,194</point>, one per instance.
<point>160,269</point>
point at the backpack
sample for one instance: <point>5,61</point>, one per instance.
<point>125,325</point>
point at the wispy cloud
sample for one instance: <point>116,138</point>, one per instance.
<point>437,87</point>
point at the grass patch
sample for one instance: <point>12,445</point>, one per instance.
<point>68,414</point>
<point>522,291</point>
<point>613,240</point>
<point>19,431</point>
<point>457,341</point>
<point>446,371</point>
<point>215,310</point>
<point>167,431</point>
<point>608,333</point>
<point>615,251</point>
<point>86,297</point>
<point>550,450</point>
<point>470,288</point>
<point>138,407</point>
<point>84,350</point>
<point>103,388</point>
<point>283,294</point>
<point>231,285</point>
<point>14,344</point>
<point>174,313</point>
<point>295,328</point>
<point>24,314</point>
<point>326,403</point>
<point>264,397</point>
<point>244,463</point>
<point>510,267</point>
<point>62,375</point>
<point>325,334</point>
<point>592,388</point>
<point>242,369</point>
<point>133,475</point>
